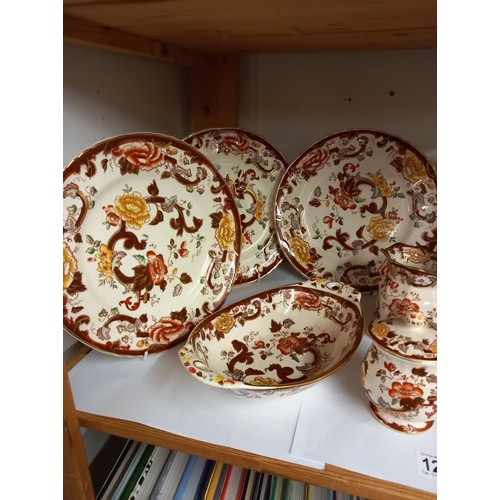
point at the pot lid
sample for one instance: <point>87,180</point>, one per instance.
<point>405,340</point>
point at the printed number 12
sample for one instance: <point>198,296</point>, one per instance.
<point>426,461</point>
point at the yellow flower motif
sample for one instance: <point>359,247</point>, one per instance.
<point>415,255</point>
<point>105,265</point>
<point>381,229</point>
<point>224,323</point>
<point>380,330</point>
<point>264,381</point>
<point>69,267</point>
<point>413,168</point>
<point>434,347</point>
<point>383,185</point>
<point>259,211</point>
<point>133,209</point>
<point>226,232</point>
<point>301,250</point>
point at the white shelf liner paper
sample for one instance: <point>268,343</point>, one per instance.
<point>158,392</point>
<point>327,423</point>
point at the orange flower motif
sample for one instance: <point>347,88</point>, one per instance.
<point>402,307</point>
<point>312,162</point>
<point>235,142</point>
<point>183,251</point>
<point>166,330</point>
<point>146,156</point>
<point>288,344</point>
<point>405,390</point>
<point>309,301</point>
<point>156,268</point>
<point>343,199</point>
<point>259,344</point>
<point>390,366</point>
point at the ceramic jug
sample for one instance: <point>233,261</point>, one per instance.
<point>408,288</point>
<point>399,375</point>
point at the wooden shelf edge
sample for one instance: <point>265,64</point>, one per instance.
<point>331,477</point>
<point>87,34</point>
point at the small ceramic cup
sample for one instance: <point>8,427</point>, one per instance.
<point>399,375</point>
<point>408,288</point>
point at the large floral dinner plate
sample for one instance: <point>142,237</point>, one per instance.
<point>348,196</point>
<point>252,167</point>
<point>151,243</point>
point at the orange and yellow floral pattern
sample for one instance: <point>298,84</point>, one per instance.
<point>139,238</point>
<point>350,195</point>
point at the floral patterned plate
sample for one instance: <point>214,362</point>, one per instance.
<point>252,167</point>
<point>348,196</point>
<point>151,243</point>
<point>278,342</point>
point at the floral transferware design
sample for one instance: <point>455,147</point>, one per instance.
<point>151,242</point>
<point>408,288</point>
<point>252,167</point>
<point>277,342</point>
<point>350,195</point>
<point>399,375</point>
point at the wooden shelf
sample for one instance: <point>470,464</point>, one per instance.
<point>184,31</point>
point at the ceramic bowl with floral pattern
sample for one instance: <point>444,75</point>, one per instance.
<point>278,342</point>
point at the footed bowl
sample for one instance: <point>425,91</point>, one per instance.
<point>278,342</point>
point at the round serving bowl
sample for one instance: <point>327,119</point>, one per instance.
<point>278,342</point>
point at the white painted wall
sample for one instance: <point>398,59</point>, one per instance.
<point>109,94</point>
<point>292,100</point>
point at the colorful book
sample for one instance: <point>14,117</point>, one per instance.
<point>158,459</point>
<point>118,490</point>
<point>186,476</point>
<point>221,482</point>
<point>243,482</point>
<point>297,490</point>
<point>285,490</point>
<point>136,472</point>
<point>249,484</point>
<point>205,479</point>
<point>174,475</point>
<point>230,492</point>
<point>193,481</point>
<point>266,487</point>
<point>276,488</point>
<point>118,471</point>
<point>212,483</point>
<point>257,486</point>
<point>161,483</point>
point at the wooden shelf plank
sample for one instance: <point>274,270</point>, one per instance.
<point>77,483</point>
<point>214,92</point>
<point>87,34</point>
<point>331,477</point>
<point>225,27</point>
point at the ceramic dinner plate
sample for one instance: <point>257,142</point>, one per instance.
<point>151,243</point>
<point>252,167</point>
<point>348,196</point>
